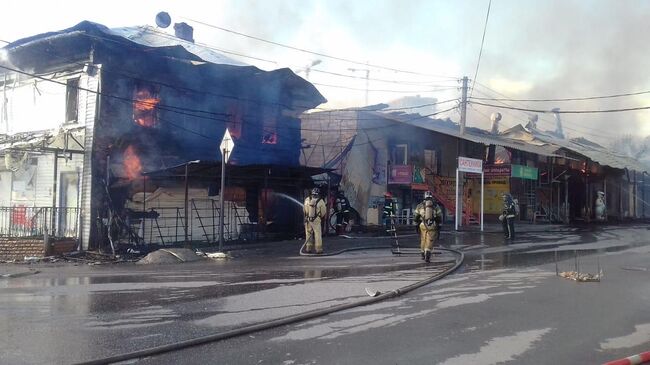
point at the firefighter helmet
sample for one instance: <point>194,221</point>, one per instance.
<point>315,192</point>
<point>388,194</point>
<point>428,195</point>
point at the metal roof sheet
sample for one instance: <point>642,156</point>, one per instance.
<point>471,134</point>
<point>151,37</point>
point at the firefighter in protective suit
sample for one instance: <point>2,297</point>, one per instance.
<point>428,218</point>
<point>388,214</point>
<point>314,210</point>
<point>508,215</point>
<point>342,210</point>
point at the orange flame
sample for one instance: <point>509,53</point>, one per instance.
<point>132,165</point>
<point>144,113</point>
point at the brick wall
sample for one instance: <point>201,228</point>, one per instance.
<point>18,248</point>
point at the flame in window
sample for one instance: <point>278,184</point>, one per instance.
<point>144,107</point>
<point>132,165</point>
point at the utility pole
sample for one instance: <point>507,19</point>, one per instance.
<point>463,106</point>
<point>367,71</point>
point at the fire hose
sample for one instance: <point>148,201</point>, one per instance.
<point>280,321</point>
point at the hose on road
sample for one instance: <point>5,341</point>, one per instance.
<point>280,321</point>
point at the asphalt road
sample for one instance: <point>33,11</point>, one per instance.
<point>505,306</point>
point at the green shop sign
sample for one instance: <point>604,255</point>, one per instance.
<point>524,172</point>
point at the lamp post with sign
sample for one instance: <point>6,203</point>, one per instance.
<point>470,165</point>
<point>226,147</point>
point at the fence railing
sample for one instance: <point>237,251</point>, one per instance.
<point>35,221</point>
<point>166,225</point>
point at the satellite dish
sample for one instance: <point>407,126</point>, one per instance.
<point>163,20</point>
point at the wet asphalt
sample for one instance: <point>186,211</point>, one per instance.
<point>67,313</point>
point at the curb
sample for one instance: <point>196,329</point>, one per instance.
<point>637,359</point>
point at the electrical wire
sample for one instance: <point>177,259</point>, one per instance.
<point>480,53</point>
<point>541,118</point>
<point>569,99</point>
<point>387,91</point>
<point>225,96</point>
<point>564,111</point>
<point>313,52</point>
<point>190,112</point>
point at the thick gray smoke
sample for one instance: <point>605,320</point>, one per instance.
<point>557,48</point>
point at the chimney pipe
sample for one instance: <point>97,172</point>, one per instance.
<point>184,31</point>
<point>495,118</point>
<point>532,122</point>
<point>558,123</point>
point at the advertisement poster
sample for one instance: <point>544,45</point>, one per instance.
<point>494,188</point>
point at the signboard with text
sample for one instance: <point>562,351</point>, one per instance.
<point>400,174</point>
<point>472,165</point>
<point>524,172</point>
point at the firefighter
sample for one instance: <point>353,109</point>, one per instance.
<point>314,210</point>
<point>428,218</point>
<point>342,211</point>
<point>389,211</point>
<point>508,216</point>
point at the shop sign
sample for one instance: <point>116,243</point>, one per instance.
<point>400,174</point>
<point>524,172</point>
<point>470,165</point>
<point>497,171</point>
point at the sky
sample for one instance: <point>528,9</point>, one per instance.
<point>533,49</point>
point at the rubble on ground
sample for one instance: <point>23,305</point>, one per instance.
<point>581,277</point>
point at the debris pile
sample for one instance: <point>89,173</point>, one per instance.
<point>581,277</point>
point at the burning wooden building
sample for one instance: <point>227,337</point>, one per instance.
<point>142,103</point>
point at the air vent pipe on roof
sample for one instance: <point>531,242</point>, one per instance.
<point>495,118</point>
<point>558,123</point>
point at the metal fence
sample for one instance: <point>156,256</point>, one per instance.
<point>166,225</point>
<point>35,221</point>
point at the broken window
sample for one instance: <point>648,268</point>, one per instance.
<point>431,161</point>
<point>72,100</point>
<point>145,100</point>
<point>400,154</point>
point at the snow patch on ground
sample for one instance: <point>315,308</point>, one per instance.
<point>500,349</point>
<point>640,336</point>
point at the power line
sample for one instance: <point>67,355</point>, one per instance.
<point>124,41</point>
<point>404,82</point>
<point>384,90</point>
<point>569,99</point>
<point>552,122</point>
<point>541,118</point>
<point>171,37</point>
<point>362,109</point>
<point>313,52</point>
<point>206,45</point>
<point>565,111</point>
<point>480,53</point>
<point>239,98</point>
<point>189,112</point>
